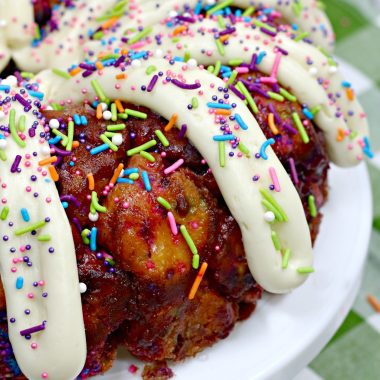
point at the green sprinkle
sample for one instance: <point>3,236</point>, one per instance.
<point>107,141</point>
<point>221,22</point>
<point>150,69</point>
<point>37,32</point>
<point>57,107</point>
<point>44,238</point>
<point>276,241</point>
<point>162,138</point>
<point>95,203</point>
<point>194,102</point>
<point>92,209</point>
<point>138,149</point>
<point>30,228</point>
<point>115,127</point>
<point>275,96</point>
<point>113,112</point>
<point>261,24</point>
<point>70,135</point>
<point>26,74</point>
<point>84,235</point>
<point>110,56</point>
<point>235,62</point>
<point>353,134</point>
<point>164,203</point>
<point>272,208</point>
<point>99,92</point>
<point>301,36</point>
<point>248,11</point>
<point>195,262</point>
<point>64,140</point>
<point>210,69</point>
<point>61,73</point>
<point>222,153</point>
<point>98,35</point>
<point>3,156</point>
<point>297,8</point>
<point>4,213</point>
<point>12,127</point>
<point>271,200</point>
<point>140,115</point>
<point>315,110</point>
<point>120,6</point>
<point>287,95</point>
<point>232,78</point>
<point>285,258</point>
<point>218,64</point>
<point>220,46</point>
<point>186,56</point>
<point>189,240</point>
<point>300,127</point>
<point>240,85</point>
<point>312,206</point>
<point>243,148</point>
<point>21,123</point>
<point>134,176</point>
<point>176,39</point>
<point>139,36</point>
<point>122,116</point>
<point>305,270</point>
<point>376,223</point>
<point>219,6</point>
<point>110,134</point>
<point>330,59</point>
<point>147,156</point>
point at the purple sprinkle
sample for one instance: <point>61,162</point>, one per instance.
<point>232,19</point>
<point>186,19</point>
<point>31,132</point>
<point>281,50</point>
<point>21,100</point>
<point>185,86</point>
<point>152,83</point>
<point>252,65</point>
<point>119,61</point>
<point>16,163</point>
<point>86,73</point>
<point>86,66</point>
<point>236,92</point>
<point>293,171</point>
<point>266,31</point>
<point>227,31</point>
<point>70,198</point>
<point>60,152</point>
<point>32,330</point>
<point>182,132</point>
<point>259,91</point>
<point>77,224</point>
<point>275,114</point>
<point>290,128</point>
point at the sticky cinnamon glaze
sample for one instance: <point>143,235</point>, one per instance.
<point>140,301</point>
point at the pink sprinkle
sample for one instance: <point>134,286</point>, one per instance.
<point>44,375</point>
<point>242,70</point>
<point>172,223</point>
<point>293,171</point>
<point>125,205</point>
<point>132,369</point>
<point>276,65</point>
<point>173,167</point>
<point>268,80</point>
<point>34,346</point>
<point>273,175</point>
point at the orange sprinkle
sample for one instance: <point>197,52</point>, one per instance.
<point>341,134</point>
<point>374,302</point>
<point>109,23</point>
<point>48,160</point>
<point>171,123</point>
<point>75,71</point>
<point>91,181</point>
<point>124,51</point>
<point>119,106</point>
<point>75,144</point>
<point>179,30</point>
<point>99,111</point>
<point>99,65</point>
<point>53,173</point>
<point>224,38</point>
<point>223,112</point>
<point>272,124</point>
<point>117,173</point>
<point>121,76</point>
<point>197,281</point>
<point>350,94</point>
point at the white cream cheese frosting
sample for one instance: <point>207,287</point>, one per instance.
<point>243,196</point>
<point>37,262</point>
<point>64,46</point>
<point>311,76</point>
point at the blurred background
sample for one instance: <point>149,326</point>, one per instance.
<point>354,352</point>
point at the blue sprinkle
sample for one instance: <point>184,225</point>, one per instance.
<point>65,204</point>
<point>138,55</point>
<point>240,121</point>
<point>36,94</point>
<point>72,163</point>
<point>260,57</point>
<point>146,181</point>
<point>94,231</point>
<point>198,8</point>
<point>19,283</point>
<point>83,120</point>
<point>125,180</point>
<point>130,171</point>
<point>346,84</point>
<point>308,113</point>
<point>25,215</point>
<point>229,137</point>
<point>98,149</point>
<point>178,59</point>
<point>77,120</point>
<point>5,87</point>
<point>264,147</point>
<point>55,140</point>
<point>219,105</point>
